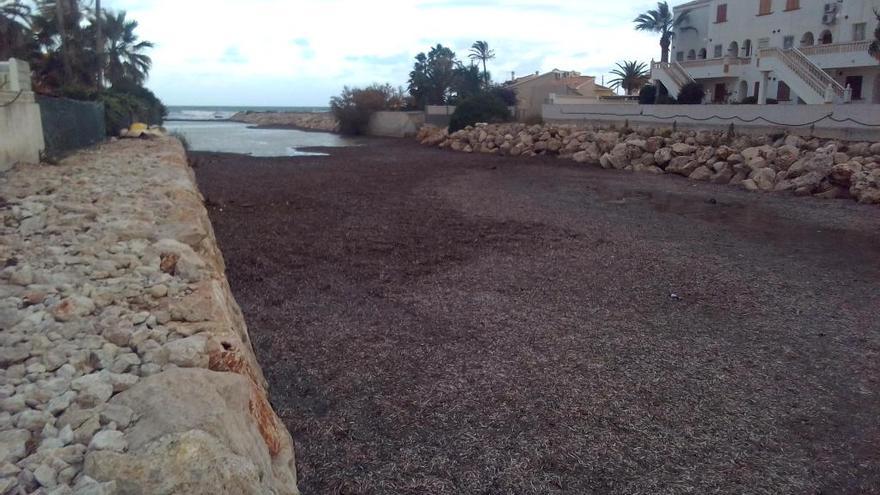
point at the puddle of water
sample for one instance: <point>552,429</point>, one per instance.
<point>236,137</point>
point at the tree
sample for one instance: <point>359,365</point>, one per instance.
<point>125,58</point>
<point>480,51</point>
<point>99,45</point>
<point>631,76</point>
<point>467,82</point>
<point>432,77</point>
<point>663,22</point>
<point>691,93</point>
<point>874,49</point>
<point>15,29</point>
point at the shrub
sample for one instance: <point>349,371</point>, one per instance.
<point>772,101</point>
<point>481,108</point>
<point>691,94</point>
<point>507,95</point>
<point>749,100</point>
<point>648,94</point>
<point>125,104</point>
<point>665,100</point>
<point>354,106</point>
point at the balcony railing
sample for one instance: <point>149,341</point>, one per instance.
<point>853,46</point>
<point>709,62</point>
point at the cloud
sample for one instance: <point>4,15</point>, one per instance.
<point>260,55</point>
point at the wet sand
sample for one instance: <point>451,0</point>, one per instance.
<point>437,322</point>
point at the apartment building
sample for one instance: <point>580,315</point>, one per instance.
<point>790,51</point>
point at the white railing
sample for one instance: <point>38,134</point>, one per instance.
<point>675,71</point>
<point>853,46</point>
<point>709,62</point>
<point>810,73</point>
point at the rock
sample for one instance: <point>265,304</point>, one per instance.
<point>189,352</point>
<point>866,186</point>
<point>13,355</point>
<point>764,178</point>
<point>681,149</point>
<point>189,419</point>
<point>73,307</point>
<point>46,476</point>
<point>13,445</point>
<point>875,149</point>
<point>821,163</point>
<point>24,276</point>
<point>663,156</point>
<point>116,413</point>
<point>794,141</point>
<point>187,264</point>
<point>750,185</point>
<point>32,420</point>
<point>682,165</point>
<point>701,173</point>
<point>108,440</point>
<point>842,173</point>
<point>94,389</point>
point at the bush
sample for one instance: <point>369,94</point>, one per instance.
<point>354,106</point>
<point>507,95</point>
<point>665,100</point>
<point>125,104</point>
<point>691,94</point>
<point>481,108</point>
<point>648,94</point>
<point>749,100</point>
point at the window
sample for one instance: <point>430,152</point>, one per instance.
<point>826,38</point>
<point>788,42</point>
<point>721,13</point>
<point>765,7</point>
<point>702,54</point>
<point>859,31</point>
<point>763,43</point>
<point>747,48</point>
<point>792,4</point>
<point>679,56</point>
<point>719,51</point>
<point>783,92</point>
<point>807,40</point>
<point>854,83</point>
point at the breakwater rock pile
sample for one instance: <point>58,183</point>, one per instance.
<point>125,362</point>
<point>298,120</point>
<point>818,167</point>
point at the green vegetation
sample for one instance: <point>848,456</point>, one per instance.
<point>354,106</point>
<point>662,22</point>
<point>648,94</point>
<point>631,76</point>
<point>439,78</point>
<point>480,51</point>
<point>485,107</point>
<point>691,93</point>
<point>84,53</point>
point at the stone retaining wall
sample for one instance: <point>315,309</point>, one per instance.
<point>125,363</point>
<point>822,168</point>
<point>324,121</point>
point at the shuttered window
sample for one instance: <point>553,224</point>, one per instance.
<point>765,7</point>
<point>721,13</point>
<point>792,4</point>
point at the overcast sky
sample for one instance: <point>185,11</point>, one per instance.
<point>301,52</point>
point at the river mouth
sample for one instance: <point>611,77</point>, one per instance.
<point>245,139</point>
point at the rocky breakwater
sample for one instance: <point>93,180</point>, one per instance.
<point>125,364</point>
<point>323,121</point>
<point>822,168</point>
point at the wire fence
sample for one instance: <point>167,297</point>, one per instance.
<point>70,125</point>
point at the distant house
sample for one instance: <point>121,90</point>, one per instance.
<point>534,90</point>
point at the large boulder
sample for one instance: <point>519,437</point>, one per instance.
<point>818,162</point>
<point>764,178</point>
<point>199,431</point>
<point>866,186</point>
<point>682,165</point>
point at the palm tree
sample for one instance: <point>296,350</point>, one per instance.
<point>631,76</point>
<point>125,60</point>
<point>663,22</point>
<point>480,51</point>
<point>15,28</point>
<point>874,49</point>
<point>99,45</point>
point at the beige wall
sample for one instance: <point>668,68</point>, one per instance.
<point>395,124</point>
<point>722,116</point>
<point>21,130</point>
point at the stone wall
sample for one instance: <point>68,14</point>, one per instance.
<point>297,120</point>
<point>125,362</point>
<point>781,163</point>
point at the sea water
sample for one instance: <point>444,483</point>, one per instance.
<point>224,113</point>
<point>236,137</point>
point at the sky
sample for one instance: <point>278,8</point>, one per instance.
<point>302,52</point>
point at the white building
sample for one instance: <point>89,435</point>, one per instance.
<point>793,51</point>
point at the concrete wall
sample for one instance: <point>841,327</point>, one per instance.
<point>864,126</point>
<point>21,131</point>
<point>439,115</point>
<point>395,124</point>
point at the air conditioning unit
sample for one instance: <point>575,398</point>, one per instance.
<point>829,18</point>
<point>831,8</point>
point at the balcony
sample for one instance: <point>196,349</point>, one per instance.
<point>840,55</point>
<point>713,68</point>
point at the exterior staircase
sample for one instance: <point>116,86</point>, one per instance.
<point>672,75</point>
<point>806,79</point>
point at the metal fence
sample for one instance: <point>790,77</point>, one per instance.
<point>70,124</point>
